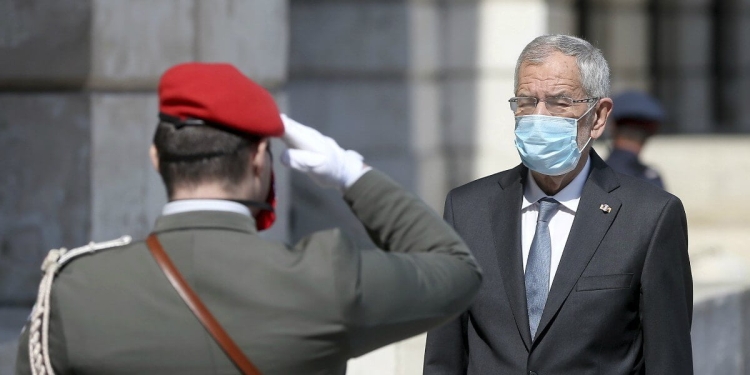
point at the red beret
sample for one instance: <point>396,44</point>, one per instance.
<point>219,94</point>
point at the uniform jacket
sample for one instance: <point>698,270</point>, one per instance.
<point>627,162</point>
<point>303,309</point>
<point>620,302</point>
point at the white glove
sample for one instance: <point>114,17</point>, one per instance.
<point>320,157</point>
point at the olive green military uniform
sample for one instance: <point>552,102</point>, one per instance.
<point>304,309</point>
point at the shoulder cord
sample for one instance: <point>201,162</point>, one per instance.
<point>39,327</point>
<point>38,340</point>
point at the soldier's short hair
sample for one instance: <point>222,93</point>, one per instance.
<point>192,155</point>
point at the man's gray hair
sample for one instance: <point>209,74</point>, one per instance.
<point>592,67</point>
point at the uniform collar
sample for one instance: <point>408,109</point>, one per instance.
<point>569,196</point>
<point>191,205</point>
<point>623,154</point>
<point>213,219</point>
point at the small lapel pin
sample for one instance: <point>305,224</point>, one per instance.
<point>605,208</point>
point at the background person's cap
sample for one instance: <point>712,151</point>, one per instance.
<point>636,105</point>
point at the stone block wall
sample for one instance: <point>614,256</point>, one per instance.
<point>44,192</point>
<point>45,44</point>
<point>78,109</point>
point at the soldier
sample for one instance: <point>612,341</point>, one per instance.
<point>636,117</point>
<point>205,294</point>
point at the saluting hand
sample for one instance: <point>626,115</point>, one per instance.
<point>320,157</point>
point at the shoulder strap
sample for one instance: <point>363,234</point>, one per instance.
<point>198,308</point>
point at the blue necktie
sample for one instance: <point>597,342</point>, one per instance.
<point>538,264</point>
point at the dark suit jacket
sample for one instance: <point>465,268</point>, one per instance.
<point>304,309</point>
<point>621,300</point>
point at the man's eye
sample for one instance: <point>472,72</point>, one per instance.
<point>559,103</point>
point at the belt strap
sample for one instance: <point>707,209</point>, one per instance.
<point>198,308</point>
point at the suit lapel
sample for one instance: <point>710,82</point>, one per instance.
<point>506,230</point>
<point>590,225</point>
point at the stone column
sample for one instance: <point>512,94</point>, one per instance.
<point>479,81</point>
<point>46,146</point>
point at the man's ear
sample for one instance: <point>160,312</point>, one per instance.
<point>154,155</point>
<point>602,111</point>
<point>258,159</point>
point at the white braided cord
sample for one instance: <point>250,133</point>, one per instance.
<point>39,326</point>
<point>38,341</point>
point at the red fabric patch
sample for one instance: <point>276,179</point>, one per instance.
<point>221,94</point>
<point>266,218</point>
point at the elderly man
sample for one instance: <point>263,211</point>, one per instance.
<point>205,294</point>
<point>586,271</point>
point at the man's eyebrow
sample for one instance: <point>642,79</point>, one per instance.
<point>560,94</point>
<point>555,94</point>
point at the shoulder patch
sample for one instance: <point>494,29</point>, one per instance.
<point>62,255</point>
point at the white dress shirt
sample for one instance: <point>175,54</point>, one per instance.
<point>188,205</point>
<point>561,222</point>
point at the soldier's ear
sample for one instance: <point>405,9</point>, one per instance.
<point>154,157</point>
<point>258,159</point>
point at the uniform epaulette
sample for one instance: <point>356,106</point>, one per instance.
<point>64,256</point>
<point>39,319</point>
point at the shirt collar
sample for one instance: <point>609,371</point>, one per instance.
<point>190,205</point>
<point>569,196</point>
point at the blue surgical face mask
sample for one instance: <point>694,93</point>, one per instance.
<point>548,144</point>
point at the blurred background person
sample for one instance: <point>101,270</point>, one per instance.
<point>636,117</point>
